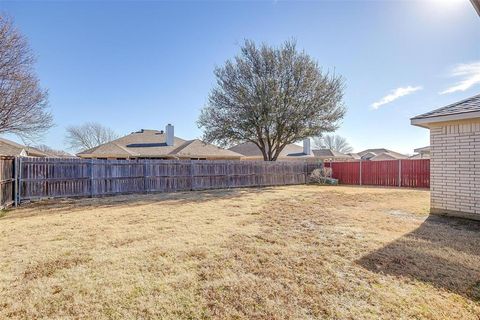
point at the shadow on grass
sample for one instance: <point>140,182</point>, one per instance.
<point>444,252</point>
<point>47,206</point>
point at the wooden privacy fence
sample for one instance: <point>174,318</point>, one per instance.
<point>34,178</point>
<point>400,173</point>
<point>54,177</point>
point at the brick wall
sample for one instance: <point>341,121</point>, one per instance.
<point>455,169</point>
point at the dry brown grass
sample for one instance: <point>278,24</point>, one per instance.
<point>299,252</point>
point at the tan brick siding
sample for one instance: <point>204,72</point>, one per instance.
<point>455,167</point>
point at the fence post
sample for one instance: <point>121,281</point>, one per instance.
<point>360,172</point>
<point>192,175</point>
<point>15,176</point>
<point>229,173</point>
<point>145,175</point>
<point>91,178</point>
<point>305,168</point>
<point>20,180</point>
<point>399,172</point>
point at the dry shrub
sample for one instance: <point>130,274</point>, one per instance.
<point>320,175</point>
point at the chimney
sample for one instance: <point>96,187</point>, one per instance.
<point>169,133</point>
<point>306,146</point>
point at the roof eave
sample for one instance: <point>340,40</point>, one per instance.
<point>476,5</point>
<point>428,121</point>
<point>111,155</point>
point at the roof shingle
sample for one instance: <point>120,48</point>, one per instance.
<point>11,148</point>
<point>471,104</point>
<point>152,144</point>
<point>329,153</point>
<point>249,149</point>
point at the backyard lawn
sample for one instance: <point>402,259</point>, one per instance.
<point>297,252</point>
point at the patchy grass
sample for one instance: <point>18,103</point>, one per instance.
<point>299,252</point>
<point>3,212</point>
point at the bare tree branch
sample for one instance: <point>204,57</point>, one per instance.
<point>23,104</point>
<point>334,142</point>
<point>271,97</point>
<point>88,135</point>
<point>55,152</point>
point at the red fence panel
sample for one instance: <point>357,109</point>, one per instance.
<point>416,173</point>
<point>413,173</point>
<point>380,173</point>
<point>346,172</point>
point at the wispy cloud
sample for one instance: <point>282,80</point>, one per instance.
<point>470,74</point>
<point>394,95</point>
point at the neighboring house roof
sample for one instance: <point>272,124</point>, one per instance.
<point>420,156</point>
<point>421,153</point>
<point>11,148</point>
<point>200,149</point>
<point>368,155</point>
<point>476,5</point>
<point>465,109</point>
<point>354,155</point>
<point>152,144</point>
<point>386,156</point>
<point>422,150</point>
<point>251,150</point>
<point>379,151</point>
<point>330,154</point>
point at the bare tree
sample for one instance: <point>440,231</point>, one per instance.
<point>88,135</point>
<point>271,97</point>
<point>55,152</point>
<point>23,104</point>
<point>334,142</point>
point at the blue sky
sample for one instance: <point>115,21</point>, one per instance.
<point>132,65</point>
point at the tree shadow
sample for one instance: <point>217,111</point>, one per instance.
<point>444,252</point>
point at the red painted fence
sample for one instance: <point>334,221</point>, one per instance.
<point>394,173</point>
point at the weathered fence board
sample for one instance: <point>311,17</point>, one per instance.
<point>7,181</point>
<point>412,173</point>
<point>53,177</point>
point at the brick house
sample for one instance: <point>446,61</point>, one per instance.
<point>455,158</point>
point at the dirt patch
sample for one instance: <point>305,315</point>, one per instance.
<point>50,267</point>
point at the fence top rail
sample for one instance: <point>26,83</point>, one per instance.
<point>379,161</point>
<point>27,160</point>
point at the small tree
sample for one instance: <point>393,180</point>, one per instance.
<point>23,104</point>
<point>334,142</point>
<point>271,97</point>
<point>88,135</point>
